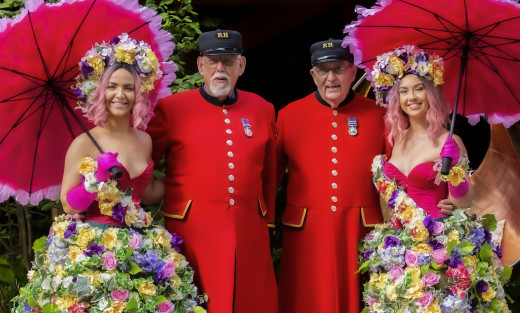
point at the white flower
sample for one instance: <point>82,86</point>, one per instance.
<point>422,68</point>
<point>147,244</point>
<point>67,281</point>
<point>442,239</point>
<point>126,201</point>
<point>105,277</point>
<point>46,284</point>
<point>56,281</point>
<point>102,304</point>
<point>30,275</point>
<point>377,163</point>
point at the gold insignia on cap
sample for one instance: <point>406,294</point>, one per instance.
<point>223,35</point>
<point>328,45</point>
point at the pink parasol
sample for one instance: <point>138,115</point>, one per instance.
<point>39,56</point>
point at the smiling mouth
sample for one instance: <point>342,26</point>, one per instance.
<point>332,87</point>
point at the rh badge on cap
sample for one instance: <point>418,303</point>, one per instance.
<point>352,126</point>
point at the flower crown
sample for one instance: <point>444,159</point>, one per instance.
<point>121,49</point>
<point>392,66</point>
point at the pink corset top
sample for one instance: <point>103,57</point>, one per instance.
<point>138,184</point>
<point>421,186</point>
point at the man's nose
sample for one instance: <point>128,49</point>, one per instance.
<point>220,66</point>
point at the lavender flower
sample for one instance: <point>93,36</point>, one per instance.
<point>452,304</point>
<point>477,236</point>
<point>367,254</point>
<point>176,242</point>
<point>117,213</point>
<point>487,236</point>
<point>71,230</point>
<point>429,223</point>
<point>424,259</point>
<point>148,262</point>
<point>482,286</point>
<point>434,244</point>
<point>392,256</point>
<point>391,241</point>
<point>498,251</point>
<point>455,259</point>
<point>391,202</point>
<point>86,69</point>
<point>94,248</point>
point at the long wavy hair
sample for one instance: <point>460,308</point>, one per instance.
<point>97,111</point>
<point>437,115</point>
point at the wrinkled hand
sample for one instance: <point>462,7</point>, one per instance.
<point>451,150</point>
<point>446,207</point>
<point>105,162</point>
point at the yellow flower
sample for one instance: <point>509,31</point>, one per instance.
<point>489,294</point>
<point>130,218</point>
<point>408,214</point>
<point>118,306</point>
<point>110,238</point>
<point>470,261</point>
<point>59,270</point>
<point>87,165</point>
<point>123,55</point>
<point>85,235</point>
<point>391,293</point>
<point>433,308</point>
<point>149,63</point>
<point>397,64</point>
<point>147,83</point>
<point>59,229</point>
<point>162,239</point>
<point>146,289</point>
<point>383,79</point>
<point>64,303</point>
<point>74,252</point>
<point>419,231</point>
<point>422,248</point>
<point>437,78</point>
<point>456,175</point>
<point>97,64</point>
<point>453,235</point>
<point>176,280</point>
<point>416,290</point>
<point>388,192</point>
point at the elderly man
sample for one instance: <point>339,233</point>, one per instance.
<point>220,179</point>
<point>327,140</point>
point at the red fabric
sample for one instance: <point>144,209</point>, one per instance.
<point>420,186</point>
<point>227,245</point>
<point>320,258</point>
<point>138,184</point>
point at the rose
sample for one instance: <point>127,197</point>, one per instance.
<point>166,307</point>
<point>395,272</point>
<point>110,261</point>
<point>426,300</point>
<point>371,301</point>
<point>78,307</point>
<point>119,295</point>
<point>438,228</point>
<point>439,256</point>
<point>136,241</point>
<point>430,279</point>
<point>146,289</point>
<point>169,269</point>
<point>411,258</point>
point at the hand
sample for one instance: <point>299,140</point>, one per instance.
<point>451,150</point>
<point>446,207</point>
<point>105,162</point>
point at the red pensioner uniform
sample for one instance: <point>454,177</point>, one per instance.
<point>329,197</point>
<point>220,186</point>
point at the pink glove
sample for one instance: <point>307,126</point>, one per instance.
<point>460,190</point>
<point>451,150</point>
<point>79,198</point>
<point>105,162</point>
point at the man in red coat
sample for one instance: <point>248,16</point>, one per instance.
<point>327,140</point>
<point>220,179</point>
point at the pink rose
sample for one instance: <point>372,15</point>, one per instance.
<point>78,307</point>
<point>439,256</point>
<point>430,279</point>
<point>426,300</point>
<point>135,242</point>
<point>169,269</point>
<point>110,261</point>
<point>410,257</point>
<point>438,228</point>
<point>371,301</point>
<point>119,295</point>
<point>395,272</point>
<point>166,307</point>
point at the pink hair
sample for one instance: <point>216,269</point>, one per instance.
<point>437,115</point>
<point>97,112</point>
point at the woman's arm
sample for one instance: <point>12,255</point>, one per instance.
<point>385,209</point>
<point>71,176</point>
<point>154,192</point>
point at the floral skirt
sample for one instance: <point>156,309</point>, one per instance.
<point>80,267</point>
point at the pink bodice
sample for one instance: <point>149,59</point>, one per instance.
<point>421,186</point>
<point>138,184</point>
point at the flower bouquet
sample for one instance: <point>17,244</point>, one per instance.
<point>429,265</point>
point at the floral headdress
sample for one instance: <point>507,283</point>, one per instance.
<point>392,66</point>
<point>121,49</point>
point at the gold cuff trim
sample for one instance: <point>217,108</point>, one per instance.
<point>363,218</point>
<point>301,221</point>
<point>270,225</point>
<point>179,217</point>
<point>262,210</point>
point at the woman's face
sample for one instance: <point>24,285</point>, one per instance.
<point>413,97</point>
<point>120,93</point>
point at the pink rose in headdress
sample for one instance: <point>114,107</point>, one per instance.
<point>169,269</point>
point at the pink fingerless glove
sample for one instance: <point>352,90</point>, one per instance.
<point>460,190</point>
<point>105,162</point>
<point>79,198</point>
<point>451,150</point>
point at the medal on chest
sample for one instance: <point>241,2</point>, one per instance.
<point>352,126</point>
<point>247,127</point>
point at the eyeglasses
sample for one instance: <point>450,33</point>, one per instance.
<point>212,62</point>
<point>323,72</point>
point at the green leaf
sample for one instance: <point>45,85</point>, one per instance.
<point>159,299</point>
<point>450,247</point>
<point>51,308</point>
<point>6,275</point>
<point>365,310</point>
<point>494,306</point>
<point>131,305</point>
<point>48,206</point>
<point>32,302</point>
<point>489,221</point>
<point>364,265</point>
<point>466,247</point>
<point>508,297</point>
<point>134,269</point>
<point>424,269</point>
<point>435,265</point>
<point>506,274</point>
<point>485,252</point>
<point>39,244</point>
<point>129,252</point>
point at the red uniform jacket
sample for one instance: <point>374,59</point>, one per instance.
<point>329,194</point>
<point>220,186</point>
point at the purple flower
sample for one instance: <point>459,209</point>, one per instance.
<point>78,93</point>
<point>86,69</point>
<point>71,230</point>
<point>176,242</point>
<point>434,244</point>
<point>75,279</point>
<point>482,286</point>
<point>391,202</point>
<point>367,254</point>
<point>114,41</point>
<point>498,251</point>
<point>487,236</point>
<point>148,262</point>
<point>477,236</point>
<point>27,307</point>
<point>455,259</point>
<point>424,259</point>
<point>94,248</point>
<point>429,223</point>
<point>422,57</point>
<point>118,214</point>
<point>391,241</point>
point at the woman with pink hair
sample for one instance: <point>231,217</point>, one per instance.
<point>407,81</point>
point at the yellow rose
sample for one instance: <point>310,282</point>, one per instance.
<point>74,252</point>
<point>59,229</point>
<point>123,55</point>
<point>408,214</point>
<point>388,192</point>
<point>59,270</point>
<point>422,248</point>
<point>110,238</point>
<point>118,306</point>
<point>87,165</point>
<point>438,78</point>
<point>147,83</point>
<point>149,62</point>
<point>97,64</point>
<point>176,280</point>
<point>65,303</point>
<point>489,294</point>
<point>383,79</point>
<point>85,235</point>
<point>453,235</point>
<point>130,218</point>
<point>391,293</point>
<point>433,308</point>
<point>419,231</point>
<point>416,290</point>
<point>146,289</point>
<point>456,175</point>
<point>162,239</point>
<point>470,261</point>
<point>397,64</point>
